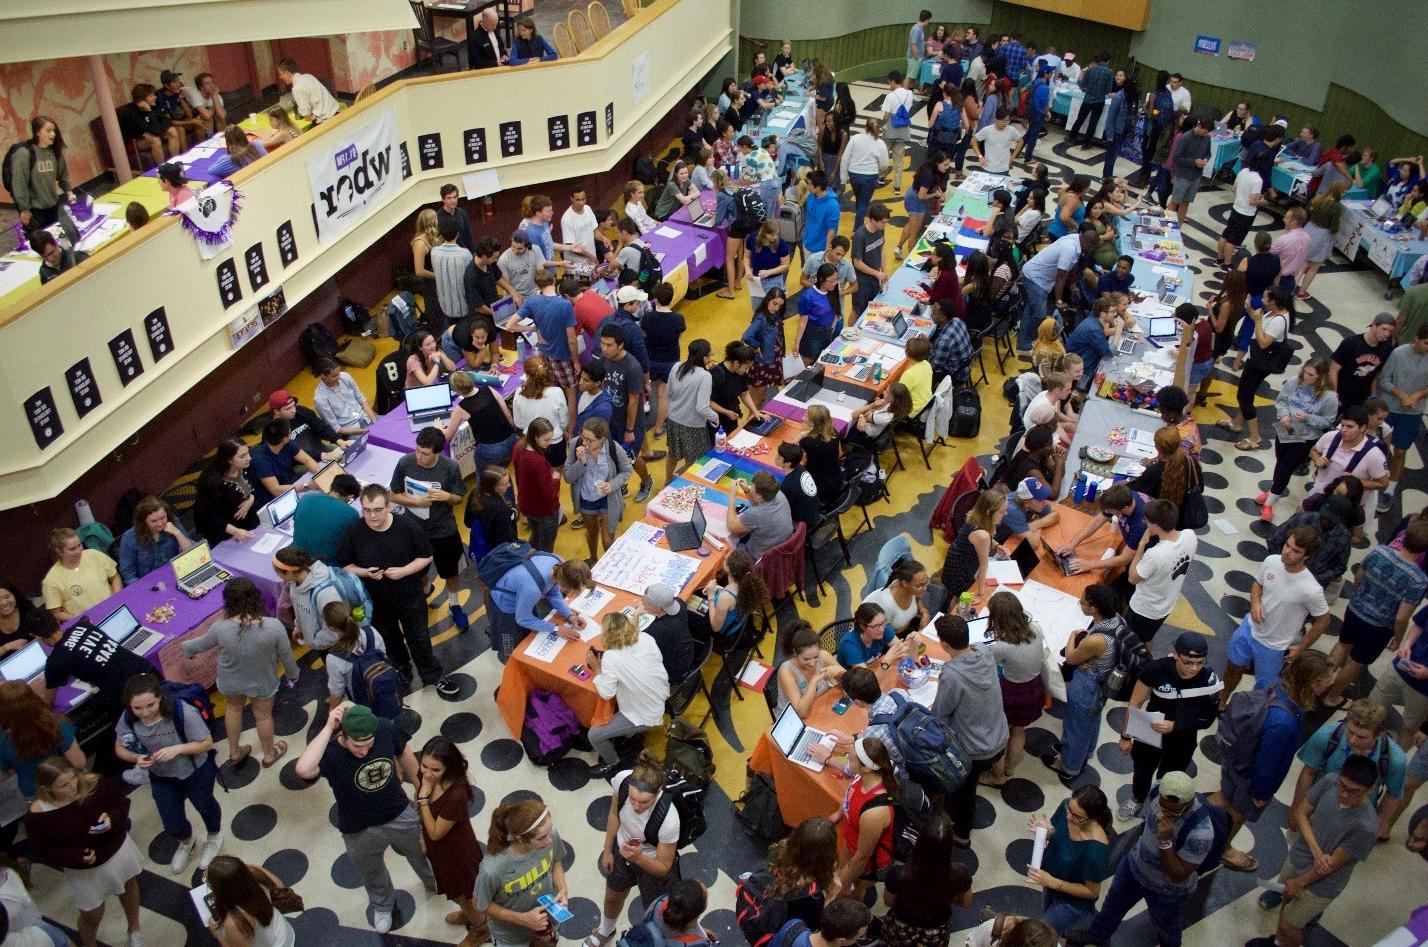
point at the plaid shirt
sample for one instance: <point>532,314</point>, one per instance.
<point>1015,55</point>
<point>952,350</point>
<point>1097,82</point>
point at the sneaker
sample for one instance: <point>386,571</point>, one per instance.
<point>1385,502</point>
<point>211,845</point>
<point>136,776</point>
<point>446,687</point>
<point>643,493</point>
<point>1266,513</point>
<point>577,522</point>
<point>381,921</point>
<point>182,854</point>
<point>1270,900</point>
<point>458,617</point>
<point>136,939</point>
<point>1128,810</point>
<point>1262,498</point>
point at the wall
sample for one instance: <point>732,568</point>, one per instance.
<point>822,19</point>
<point>1129,14</point>
<point>360,59</point>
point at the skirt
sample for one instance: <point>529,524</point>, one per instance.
<point>1023,703</point>
<point>687,443</point>
<point>90,886</point>
<point>1321,243</point>
<point>771,373</point>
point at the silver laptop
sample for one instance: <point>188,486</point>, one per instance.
<point>197,574</point>
<point>354,450</point>
<point>24,665</point>
<point>279,511</point>
<point>794,738</point>
<point>428,406</point>
<point>122,628</point>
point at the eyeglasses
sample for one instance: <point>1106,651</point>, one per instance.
<point>1353,790</point>
<point>373,510</point>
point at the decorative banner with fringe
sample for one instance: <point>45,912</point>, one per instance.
<point>208,216</point>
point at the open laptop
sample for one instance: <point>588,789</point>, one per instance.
<point>329,472</point>
<point>122,628</point>
<point>979,630</point>
<point>1063,561</point>
<point>1162,327</point>
<point>428,405</point>
<point>690,535</point>
<point>503,309</point>
<point>24,665</point>
<point>353,450</point>
<point>197,575</point>
<point>280,510</point>
<point>1025,556</point>
<point>794,738</point>
<point>904,329</point>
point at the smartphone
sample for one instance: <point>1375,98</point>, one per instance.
<point>580,671</point>
<point>842,706</point>
<point>98,828</point>
<point>557,911</point>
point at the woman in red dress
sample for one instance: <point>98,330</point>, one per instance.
<point>444,801</point>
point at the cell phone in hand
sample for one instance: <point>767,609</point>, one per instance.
<point>557,911</point>
<point>98,828</point>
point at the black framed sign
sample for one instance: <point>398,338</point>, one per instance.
<point>474,141</point>
<point>610,120</point>
<point>287,244</point>
<point>126,356</point>
<point>406,162</point>
<point>429,151</point>
<point>511,144</point>
<point>83,388</point>
<point>229,291</point>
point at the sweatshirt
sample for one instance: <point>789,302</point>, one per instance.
<point>307,610</point>
<point>1405,370</point>
<point>1190,148</point>
<point>41,177</point>
<point>689,397</point>
<point>969,702</point>
<point>537,492</point>
<point>1321,410</point>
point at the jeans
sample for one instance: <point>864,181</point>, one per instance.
<point>961,803</point>
<point>602,737</point>
<point>1082,722</point>
<point>1037,300</point>
<point>367,848</point>
<point>449,348</point>
<point>1160,185</point>
<point>1117,142</point>
<point>405,630</point>
<point>866,291</point>
<point>1034,132</point>
<point>1287,459</point>
<point>1065,914</point>
<point>768,193</point>
<point>197,788</point>
<point>959,154</point>
<point>1091,115</point>
<point>1153,762</point>
<point>1147,151</point>
<point>1126,891</point>
<point>504,632</point>
<point>863,186</point>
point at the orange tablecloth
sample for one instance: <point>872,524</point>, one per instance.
<point>524,674</point>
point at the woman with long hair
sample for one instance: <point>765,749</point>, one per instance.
<point>832,139</point>
<point>443,800</point>
<point>225,506</point>
<point>946,285</point>
<point>170,741</point>
<point>426,362</point>
<point>492,429</point>
<point>538,484</point>
<point>971,120</point>
<point>889,409</point>
<point>1172,474</point>
<point>352,639</point>
<point>921,893</point>
<point>808,670</point>
<point>866,831</point>
<point>20,621</point>
<point>925,196</point>
<point>1089,655</point>
<point>489,508</point>
<point>1325,212</point>
<point>726,212</point>
<point>690,415</point>
<point>283,129</point>
<point>78,824</point>
<point>678,192</point>
<point>1305,409</point>
<point>802,870</point>
<point>979,291</point>
<point>30,733</point>
<point>1018,647</point>
<point>251,646</point>
<point>540,397</point>
<point>596,470</point>
<point>40,175</point>
<point>628,667</point>
<point>965,569</point>
<point>425,239</point>
<point>1076,860</point>
<point>1227,307</point>
<point>152,540</point>
<point>1272,325</point>
<point>734,594</point>
<point>635,207</point>
<point>766,263</point>
<point>819,308</point>
<point>523,843</point>
<point>1070,208</point>
<point>765,336</point>
<point>823,454</point>
<point>1107,249</point>
<point>240,152</point>
<point>243,910</point>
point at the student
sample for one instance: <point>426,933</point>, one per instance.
<point>283,129</point>
<point>765,336</point>
<point>729,386</point>
<point>1360,733</point>
<point>675,915</point>
<point>174,184</point>
<point>1124,507</point>
<point>808,671</point>
<point>823,451</point>
<point>1304,410</point>
<point>272,463</point>
<point>596,470</point>
<point>968,703</point>
<point>375,813</point>
<point>538,484</point>
<point>819,306</point>
<point>691,410</point>
<point>339,401</point>
<point>1029,510</point>
<point>1403,385</point>
<point>30,733</point>
<point>430,486</point>
<point>1158,572</point>
<point>41,176</point>
<point>516,595</point>
<point>669,629</point>
<point>243,909</point>
<point>965,568</point>
<point>922,893</point>
<point>351,640</point>
<point>625,384</point>
<point>1077,858</point>
<point>54,259</point>
<point>765,522</point>
<point>523,863</point>
<point>901,599</point>
<point>310,588</point>
<point>734,594</point>
<point>628,668</point>
<point>152,541</point>
<point>888,410</point>
<point>443,800</point>
<point>1090,655</point>
<point>662,328</point>
<point>865,818</point>
<point>1018,647</point>
<point>870,640</point>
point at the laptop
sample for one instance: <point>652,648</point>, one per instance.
<point>793,739</point>
<point>428,405</point>
<point>1162,327</point>
<point>329,472</point>
<point>765,427</point>
<point>354,450</point>
<point>1063,561</point>
<point>24,665</point>
<point>122,628</point>
<point>904,329</point>
<point>1128,346</point>
<point>197,575</point>
<point>1025,557</point>
<point>280,510</point>
<point>979,630</point>
<point>690,535</point>
<point>503,309</point>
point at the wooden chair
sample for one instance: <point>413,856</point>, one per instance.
<point>369,89</point>
<point>580,30</point>
<point>599,19</point>
<point>427,40</point>
<point>631,7</point>
<point>564,42</point>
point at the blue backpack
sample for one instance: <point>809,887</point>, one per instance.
<point>352,591</point>
<point>376,684</point>
<point>932,759</point>
<point>946,129</point>
<point>901,118</point>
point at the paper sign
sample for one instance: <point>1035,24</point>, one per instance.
<point>269,543</point>
<point>668,232</point>
<point>699,253</point>
<point>511,143</point>
<point>1138,725</point>
<point>429,151</point>
<point>1207,45</point>
<point>641,82</point>
<point>591,601</point>
<point>585,129</point>
<point>610,120</point>
<point>742,439</point>
<point>1241,50</point>
<point>126,356</point>
<point>481,183</point>
<point>202,903</point>
<point>44,418</point>
<point>406,161</point>
<point>545,647</point>
<point>83,388</point>
<point>1005,571</point>
<point>474,141</point>
<point>1224,526</point>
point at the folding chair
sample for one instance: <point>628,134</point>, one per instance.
<point>683,693</point>
<point>830,526</point>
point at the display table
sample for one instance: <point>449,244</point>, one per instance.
<point>1224,150</point>
<point>697,249</point>
<point>1393,251</point>
<point>1067,99</point>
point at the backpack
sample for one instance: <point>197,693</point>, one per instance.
<point>911,813</point>
<point>750,209</point>
<point>1242,721</point>
<point>758,812</point>
<point>1194,514</point>
<point>7,173</point>
<point>901,118</point>
<point>789,934</point>
<point>966,413</point>
<point>95,536</point>
<point>686,751</point>
<point>651,272</point>
<point>945,132</point>
<point>647,932</point>
<point>1368,444</point>
<point>646,171</point>
<point>761,916</point>
<point>401,312</point>
<point>1131,658</point>
<point>505,557</point>
<point>355,316</point>
<point>551,728</point>
<point>317,342</point>
<point>928,751</point>
<point>391,377</point>
<point>687,799</point>
<point>376,684</point>
<point>790,222</point>
<point>182,694</point>
<point>1219,822</point>
<point>350,589</point>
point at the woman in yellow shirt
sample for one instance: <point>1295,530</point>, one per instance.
<point>80,578</point>
<point>918,376</point>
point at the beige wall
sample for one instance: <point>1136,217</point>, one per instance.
<point>76,315</point>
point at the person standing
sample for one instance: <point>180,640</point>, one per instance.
<point>321,518</point>
<point>523,863</point>
<point>1096,84</point>
<point>1185,693</point>
<point>1304,410</point>
<point>1090,654</point>
<point>390,554</point>
<point>430,486</point>
<point>969,704</point>
<point>443,800</point>
<point>1248,197</point>
<point>1002,139</point>
<point>868,257</point>
<point>243,909</point>
<point>861,161</point>
<point>365,767</point>
<point>449,261</point>
<point>1189,155</point>
<point>898,107</point>
<point>1403,385</point>
<point>1158,572</point>
<point>917,43</point>
<point>1359,359</point>
<point>451,209</point>
<point>641,841</point>
<point>1077,858</point>
<point>40,175</point>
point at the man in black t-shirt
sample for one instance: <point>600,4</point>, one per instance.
<point>84,653</point>
<point>798,486</point>
<point>482,280</point>
<point>1358,360</point>
<point>310,432</point>
<point>365,767</point>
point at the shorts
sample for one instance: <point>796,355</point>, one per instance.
<point>1185,188</point>
<point>1321,243</point>
<point>738,231</point>
<point>1304,908</point>
<point>623,876</point>
<point>1245,651</point>
<point>815,340</point>
<point>1238,789</point>
<point>1405,428</point>
<point>1418,766</point>
<point>564,372</point>
<point>446,553</point>
<point>1238,228</point>
<point>1368,641</point>
<point>659,371</point>
<point>1391,689</point>
<point>594,506</point>
<point>633,447</point>
<point>913,203</point>
<point>1199,372</point>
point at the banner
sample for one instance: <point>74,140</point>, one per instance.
<point>356,172</point>
<point>208,217</point>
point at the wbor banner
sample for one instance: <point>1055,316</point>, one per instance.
<point>358,171</point>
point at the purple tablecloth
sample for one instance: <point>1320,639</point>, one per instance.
<point>201,169</point>
<point>691,242</point>
<point>392,430</point>
<point>685,217</point>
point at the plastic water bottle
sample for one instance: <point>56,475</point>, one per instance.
<point>83,512</point>
<point>721,441</point>
<point>1078,492</point>
<point>520,348</point>
<point>964,606</point>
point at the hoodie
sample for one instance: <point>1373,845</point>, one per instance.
<point>307,608</point>
<point>969,703</point>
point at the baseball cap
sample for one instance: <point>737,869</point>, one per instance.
<point>1176,785</point>
<point>1385,319</point>
<point>520,236</point>
<point>279,399</point>
<point>629,294</point>
<point>1032,489</point>
<point>359,723</point>
<point>1192,644</point>
<point>660,596</point>
<point>167,76</point>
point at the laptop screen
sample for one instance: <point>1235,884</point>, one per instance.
<point>697,520</point>
<point>324,477</point>
<point>120,624</point>
<point>23,664</point>
<point>1162,327</point>
<point>428,398</point>
<point>899,325</point>
<point>787,730</point>
<point>979,629</point>
<point>282,507</point>
<point>186,564</point>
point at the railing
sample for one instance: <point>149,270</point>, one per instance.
<point>514,127</point>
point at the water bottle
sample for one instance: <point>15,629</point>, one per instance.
<point>1091,492</point>
<point>1078,493</point>
<point>964,606</point>
<point>83,512</point>
<point>878,373</point>
<point>520,348</point>
<point>721,441</point>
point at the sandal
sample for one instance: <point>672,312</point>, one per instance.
<point>244,750</point>
<point>597,940</point>
<point>1417,843</point>
<point>722,294</point>
<point>987,779</point>
<point>280,749</point>
<point>1247,444</point>
<point>1249,865</point>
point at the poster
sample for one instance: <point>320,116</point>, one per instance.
<point>640,87</point>
<point>406,162</point>
<point>229,292</point>
<point>208,218</point>
<point>272,306</point>
<point>352,174</point>
<point>1207,45</point>
<point>245,328</point>
<point>126,357</point>
<point>44,418</point>
<point>83,388</point>
<point>610,120</point>
<point>429,151</point>
<point>287,244</point>
<point>474,141</point>
<point>558,129</point>
<point>585,129</point>
<point>256,266</point>
<point>156,328</point>
<point>511,144</point>
<point>1241,50</point>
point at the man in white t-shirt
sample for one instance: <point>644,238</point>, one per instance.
<point>577,228</point>
<point>207,102</point>
<point>1158,572</point>
<point>897,103</point>
<point>311,99</point>
<point>1178,93</point>
<point>641,841</point>
<point>1003,143</point>
<point>1248,185</point>
<point>1285,594</point>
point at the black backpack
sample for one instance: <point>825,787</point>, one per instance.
<point>316,343</point>
<point>651,272</point>
<point>1131,658</point>
<point>7,174</point>
<point>911,813</point>
<point>750,208</point>
<point>391,381</point>
<point>758,812</point>
<point>647,172</point>
<point>376,684</point>
<point>966,413</point>
<point>687,799</point>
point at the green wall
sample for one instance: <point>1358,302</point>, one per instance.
<point>822,19</point>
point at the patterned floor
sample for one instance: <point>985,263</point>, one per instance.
<point>303,848</point>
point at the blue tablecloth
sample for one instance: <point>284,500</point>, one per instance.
<point>1359,231</point>
<point>1147,273</point>
<point>1223,151</point>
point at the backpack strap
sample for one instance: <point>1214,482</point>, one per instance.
<point>903,708</point>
